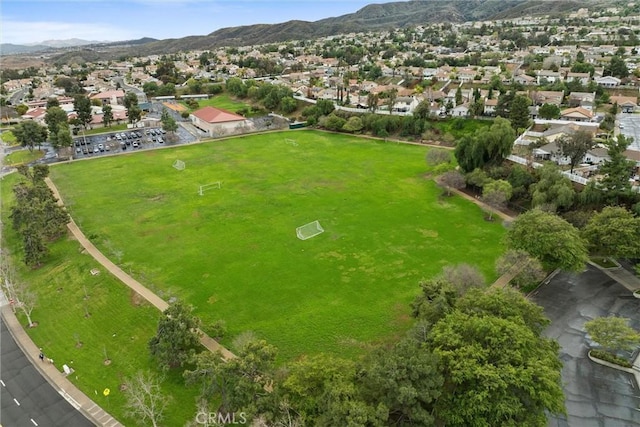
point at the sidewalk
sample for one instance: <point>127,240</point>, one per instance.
<point>56,378</point>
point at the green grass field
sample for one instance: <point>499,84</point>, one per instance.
<point>233,252</point>
<point>74,306</point>
<point>221,101</point>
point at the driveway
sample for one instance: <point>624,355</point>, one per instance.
<point>595,395</point>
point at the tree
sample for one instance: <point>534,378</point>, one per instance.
<point>553,190</point>
<point>405,380</point>
<point>463,277</point>
<point>613,333</point>
<point>29,134</point>
<point>353,124</point>
<point>422,110</point>
<point>392,95</point>
<point>496,193</point>
<point>55,118</point>
<point>549,111</point>
<point>177,336</point>
<point>488,147</point>
<point>498,369</point>
<point>436,157</point>
<point>576,146</point>
<point>20,293</point>
<point>145,401</point>
<point>451,179</point>
<point>617,67</point>
<point>550,239</point>
<point>458,96</point>
<point>519,113</point>
<point>614,232</point>
<point>529,269</point>
<point>288,104</point>
<point>82,106</point>
<point>64,137</point>
<point>22,109</point>
<point>130,100</point>
<point>372,101</point>
<point>239,383</point>
<point>107,115</point>
<point>325,107</point>
<point>437,298</point>
<point>617,169</point>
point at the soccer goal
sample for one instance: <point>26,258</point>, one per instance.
<point>291,142</point>
<point>309,230</point>
<point>211,186</point>
<point>179,165</point>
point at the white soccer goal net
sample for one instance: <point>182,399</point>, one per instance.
<point>291,142</point>
<point>179,165</point>
<point>309,230</point>
<point>206,187</point>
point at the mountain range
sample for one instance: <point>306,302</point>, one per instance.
<point>374,17</point>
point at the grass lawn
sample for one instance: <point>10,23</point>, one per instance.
<point>22,156</point>
<point>223,101</point>
<point>98,311</point>
<point>233,252</point>
<point>9,138</point>
<point>112,128</point>
<point>461,127</point>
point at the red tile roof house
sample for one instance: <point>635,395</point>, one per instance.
<point>218,122</point>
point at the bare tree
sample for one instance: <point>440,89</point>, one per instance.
<point>496,194</point>
<point>451,179</point>
<point>20,295</point>
<point>144,399</point>
<point>437,157</point>
<point>530,270</point>
<point>463,277</point>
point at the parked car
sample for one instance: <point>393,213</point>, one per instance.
<point>135,144</point>
<point>101,147</point>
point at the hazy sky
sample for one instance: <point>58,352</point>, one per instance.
<point>32,21</point>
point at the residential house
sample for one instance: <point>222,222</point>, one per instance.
<point>596,156</point>
<point>586,100</point>
<point>524,79</point>
<point>608,81</point>
<point>490,107</point>
<point>110,97</point>
<point>547,97</point>
<point>582,78</point>
<point>577,114</point>
<point>547,76</point>
<point>627,104</point>
<point>461,110</point>
<point>216,121</point>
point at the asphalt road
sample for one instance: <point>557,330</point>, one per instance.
<point>26,398</point>
<point>595,395</point>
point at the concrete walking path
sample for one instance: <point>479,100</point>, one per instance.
<point>136,286</point>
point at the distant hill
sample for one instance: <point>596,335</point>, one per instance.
<point>374,17</point>
<point>65,43</point>
<point>15,49</point>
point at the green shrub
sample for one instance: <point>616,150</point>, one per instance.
<point>611,358</point>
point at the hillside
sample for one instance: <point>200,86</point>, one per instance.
<point>374,17</point>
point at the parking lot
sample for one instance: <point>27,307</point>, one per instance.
<point>629,125</point>
<point>85,146</point>
<point>595,395</point>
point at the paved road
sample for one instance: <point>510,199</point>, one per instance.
<point>39,403</point>
<point>595,395</point>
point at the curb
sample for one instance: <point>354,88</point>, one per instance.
<point>80,401</point>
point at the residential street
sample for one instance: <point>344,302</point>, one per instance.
<point>595,395</point>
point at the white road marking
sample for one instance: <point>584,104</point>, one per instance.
<point>2,382</point>
<point>34,423</point>
<point>16,400</point>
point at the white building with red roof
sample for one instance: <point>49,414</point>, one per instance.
<point>218,122</point>
<point>112,97</point>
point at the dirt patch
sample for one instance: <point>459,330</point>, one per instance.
<point>136,299</point>
<point>156,198</point>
